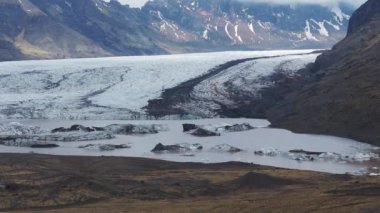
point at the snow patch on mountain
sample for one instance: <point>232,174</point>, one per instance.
<point>308,34</point>
<point>250,27</point>
<point>236,27</point>
<point>227,32</point>
<point>256,25</point>
<point>322,29</point>
<point>339,15</point>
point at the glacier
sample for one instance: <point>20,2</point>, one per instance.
<point>120,87</point>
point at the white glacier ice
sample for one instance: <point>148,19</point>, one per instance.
<point>102,88</point>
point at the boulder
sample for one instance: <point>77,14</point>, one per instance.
<point>225,148</point>
<point>188,127</point>
<point>201,132</point>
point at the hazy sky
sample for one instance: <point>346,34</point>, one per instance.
<point>139,3</point>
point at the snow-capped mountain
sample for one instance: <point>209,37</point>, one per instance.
<point>35,29</point>
<point>221,23</point>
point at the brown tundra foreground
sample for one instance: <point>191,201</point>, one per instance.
<point>42,183</point>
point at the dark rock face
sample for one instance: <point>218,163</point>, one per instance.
<point>364,16</point>
<point>340,93</point>
<point>200,132</point>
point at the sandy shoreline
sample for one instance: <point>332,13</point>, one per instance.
<point>45,183</point>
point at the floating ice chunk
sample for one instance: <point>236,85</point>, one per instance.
<point>330,156</point>
<point>104,147</point>
<point>128,129</point>
<point>177,148</point>
<point>225,148</point>
<point>203,132</point>
<point>15,128</point>
<point>268,152</point>
<point>364,156</point>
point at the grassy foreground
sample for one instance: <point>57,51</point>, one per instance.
<point>43,183</point>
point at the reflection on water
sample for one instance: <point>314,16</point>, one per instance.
<point>249,141</point>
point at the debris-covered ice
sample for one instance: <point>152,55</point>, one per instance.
<point>15,128</point>
<point>177,148</point>
<point>129,129</point>
<point>16,134</point>
<point>302,155</point>
<point>225,148</point>
<point>104,147</point>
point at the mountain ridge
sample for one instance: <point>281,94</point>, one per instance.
<point>341,95</point>
<point>38,29</point>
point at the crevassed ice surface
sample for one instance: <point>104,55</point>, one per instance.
<point>105,88</point>
<point>249,141</point>
<point>246,78</point>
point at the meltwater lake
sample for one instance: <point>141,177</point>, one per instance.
<point>262,145</point>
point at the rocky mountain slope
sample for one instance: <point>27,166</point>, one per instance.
<point>341,95</point>
<point>39,29</point>
<point>220,23</point>
<point>35,29</point>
